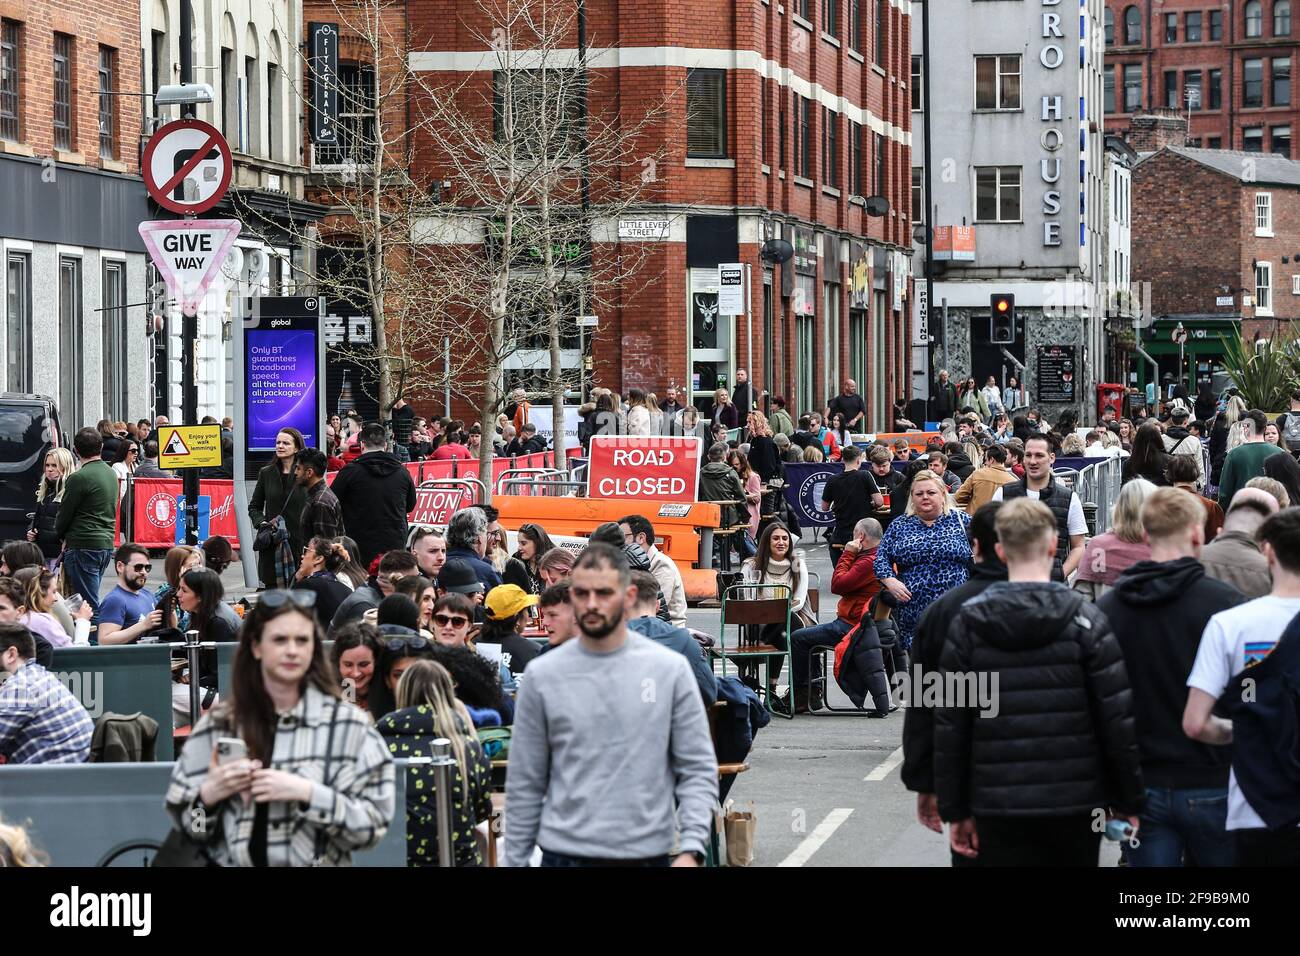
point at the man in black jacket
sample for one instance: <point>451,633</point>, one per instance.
<point>943,402</point>
<point>1159,609</point>
<point>376,494</point>
<point>528,442</point>
<point>1025,774</point>
<point>927,651</point>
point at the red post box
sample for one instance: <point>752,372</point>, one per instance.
<point>1110,395</point>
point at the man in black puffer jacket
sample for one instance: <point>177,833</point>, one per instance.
<point>376,494</point>
<point>927,651</point>
<point>1022,773</point>
<point>1159,610</point>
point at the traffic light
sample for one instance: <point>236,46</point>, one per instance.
<point>1002,319</point>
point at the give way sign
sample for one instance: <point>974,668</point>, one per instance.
<point>189,254</point>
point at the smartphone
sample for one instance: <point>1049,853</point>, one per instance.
<point>230,749</point>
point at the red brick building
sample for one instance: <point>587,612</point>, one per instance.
<point>799,114</point>
<point>1217,236</point>
<point>1228,66</point>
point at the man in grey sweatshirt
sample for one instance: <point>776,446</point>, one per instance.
<point>611,762</point>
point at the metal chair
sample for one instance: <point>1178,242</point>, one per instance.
<point>817,674</point>
<point>750,607</point>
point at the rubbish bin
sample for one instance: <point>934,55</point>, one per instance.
<point>1110,395</point>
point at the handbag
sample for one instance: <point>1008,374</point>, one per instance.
<point>265,539</point>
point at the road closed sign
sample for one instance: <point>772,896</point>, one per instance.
<point>435,506</point>
<point>650,468</point>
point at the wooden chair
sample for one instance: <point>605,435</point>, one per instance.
<point>749,608</point>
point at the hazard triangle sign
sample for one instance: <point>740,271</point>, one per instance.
<point>189,254</point>
<point>176,445</point>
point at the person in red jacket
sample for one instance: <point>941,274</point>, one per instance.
<point>856,583</point>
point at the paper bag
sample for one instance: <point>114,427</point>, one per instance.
<point>739,827</point>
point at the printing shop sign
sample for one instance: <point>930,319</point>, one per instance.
<point>648,468</point>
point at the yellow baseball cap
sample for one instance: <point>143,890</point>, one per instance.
<point>507,600</point>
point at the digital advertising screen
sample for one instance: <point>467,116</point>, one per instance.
<point>281,365</point>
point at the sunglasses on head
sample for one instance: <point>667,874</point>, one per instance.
<point>396,644</point>
<point>450,620</point>
<point>279,597</point>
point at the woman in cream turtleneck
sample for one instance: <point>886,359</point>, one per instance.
<point>776,563</point>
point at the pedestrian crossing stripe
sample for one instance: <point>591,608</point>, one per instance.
<point>176,445</point>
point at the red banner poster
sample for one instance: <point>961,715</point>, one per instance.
<point>154,510</point>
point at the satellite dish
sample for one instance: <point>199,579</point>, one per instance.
<point>776,250</point>
<point>920,233</point>
<point>877,206</point>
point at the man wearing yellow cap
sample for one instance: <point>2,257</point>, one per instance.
<point>504,619</point>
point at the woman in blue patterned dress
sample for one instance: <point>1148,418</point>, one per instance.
<point>924,553</point>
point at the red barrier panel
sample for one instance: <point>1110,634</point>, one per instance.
<point>154,505</point>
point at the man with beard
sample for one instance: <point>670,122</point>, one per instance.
<point>610,738</point>
<point>127,613</point>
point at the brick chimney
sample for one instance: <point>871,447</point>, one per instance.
<point>1154,130</point>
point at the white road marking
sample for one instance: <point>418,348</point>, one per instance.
<point>886,765</point>
<point>813,842</point>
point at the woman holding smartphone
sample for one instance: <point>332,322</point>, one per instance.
<point>314,781</point>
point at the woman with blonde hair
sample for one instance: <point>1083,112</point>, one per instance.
<point>1072,446</point>
<point>59,464</point>
<point>924,552</point>
<point>723,410</point>
<point>1231,415</point>
<point>813,454</point>
<point>427,710</point>
<point>16,848</point>
<point>763,455</point>
<point>657,417</point>
<point>1108,555</point>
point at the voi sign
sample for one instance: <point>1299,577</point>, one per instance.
<point>646,468</point>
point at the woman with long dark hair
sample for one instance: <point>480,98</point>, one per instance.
<point>200,594</point>
<point>310,780</point>
<point>1149,457</point>
<point>776,563</point>
<point>278,495</point>
<point>1284,469</point>
<point>179,559</point>
<point>352,574</point>
<point>534,544</point>
<point>355,653</point>
<point>427,711</point>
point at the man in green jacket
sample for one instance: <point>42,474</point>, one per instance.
<point>780,419</point>
<point>87,519</point>
<point>1246,461</point>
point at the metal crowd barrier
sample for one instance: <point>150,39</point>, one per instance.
<point>1097,484</point>
<point>554,488</point>
<point>477,490</point>
<point>510,475</point>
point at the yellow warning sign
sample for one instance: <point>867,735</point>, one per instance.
<point>189,446</point>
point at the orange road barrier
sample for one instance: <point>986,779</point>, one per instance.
<point>917,440</point>
<point>677,526</point>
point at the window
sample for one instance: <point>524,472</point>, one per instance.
<point>1192,89</point>
<point>1171,28</point>
<point>1252,139</point>
<point>855,25</point>
<point>1264,214</point>
<point>831,331</point>
<point>10,128</point>
<point>765,139</point>
<point>1192,28</point>
<point>805,356</point>
<point>802,137</point>
<point>780,128</point>
<point>706,113</point>
<point>116,400</point>
<point>1216,89</point>
<point>1295,285</point>
<point>918,76</point>
<point>107,122</point>
<point>1263,288</point>
<point>248,132</point>
<point>918,194</point>
<point>997,82</point>
<point>802,8</point>
<point>1252,82</point>
<point>1216,24</point>
<point>1254,18</point>
<point>18,321</point>
<point>1132,26</point>
<point>356,122</point>
<point>1109,20</point>
<point>830,148</point>
<point>1171,89</point>
<point>71,339</point>
<point>858,344</point>
<point>1282,81</point>
<point>229,94</point>
<point>1281,18</point>
<point>160,67</point>
<point>1108,90</point>
<point>1214,142</point>
<point>882,17</point>
<point>878,174</point>
<point>831,17</point>
<point>997,194</point>
<point>1132,87</point>
<point>62,91</point>
<point>855,158</point>
<point>1281,140</point>
<point>272,111</point>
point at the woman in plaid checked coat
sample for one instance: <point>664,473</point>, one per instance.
<point>317,782</point>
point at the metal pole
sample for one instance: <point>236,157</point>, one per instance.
<point>749,335</point>
<point>446,376</point>
<point>196,693</point>
<point>929,199</point>
<point>943,308</point>
<point>442,763</point>
<point>189,323</point>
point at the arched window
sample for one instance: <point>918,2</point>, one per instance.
<point>1254,18</point>
<point>1282,18</point>
<point>1109,20</point>
<point>1132,26</point>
